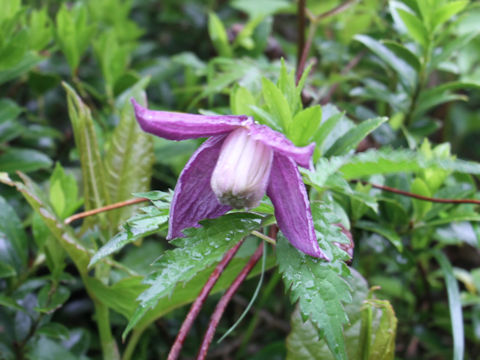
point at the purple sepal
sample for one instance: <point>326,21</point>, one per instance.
<point>180,126</point>
<point>193,198</point>
<point>292,208</point>
<point>280,144</point>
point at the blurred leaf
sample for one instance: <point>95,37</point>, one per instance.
<point>218,35</point>
<point>113,56</point>
<point>386,231</point>
<point>420,207</point>
<point>94,185</point>
<point>40,29</point>
<point>454,304</point>
<point>353,137</point>
<point>403,53</point>
<point>446,11</point>
<point>415,27</point>
<point>28,61</point>
<point>13,49</point>
<point>13,240</point>
<point>46,349</point>
<point>49,298</point>
<point>26,160</point>
<point>129,159</point>
<point>63,193</point>
<point>264,8</point>
<point>324,130</point>
<point>406,74</point>
<point>200,248</point>
<point>320,291</point>
<point>241,100</point>
<point>62,233</point>
<point>73,33</point>
<point>10,128</point>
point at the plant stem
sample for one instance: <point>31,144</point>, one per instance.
<point>222,304</point>
<point>133,341</point>
<point>199,301</point>
<point>103,209</point>
<point>109,347</point>
<point>421,197</point>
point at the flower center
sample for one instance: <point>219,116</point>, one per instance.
<point>240,177</point>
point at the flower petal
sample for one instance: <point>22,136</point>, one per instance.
<point>292,208</point>
<point>279,143</point>
<point>179,126</point>
<point>193,199</point>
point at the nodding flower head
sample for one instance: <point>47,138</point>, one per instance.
<point>239,163</point>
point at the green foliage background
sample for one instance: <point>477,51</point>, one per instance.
<point>390,96</point>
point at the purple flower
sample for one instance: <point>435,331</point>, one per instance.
<point>234,168</point>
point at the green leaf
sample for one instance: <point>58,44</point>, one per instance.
<point>320,291</point>
<point>62,233</point>
<point>13,49</point>
<point>63,193</point>
<point>406,74</point>
<point>420,207</point>
<point>26,160</point>
<point>94,185</point>
<point>40,29</point>
<point>113,56</point>
<point>389,161</point>
<point>129,159</point>
<point>73,33</point>
<point>403,53</point>
<point>450,48</point>
<point>276,103</point>
<point>241,100</point>
<point>13,240</point>
<point>200,248</point>
<point>218,35</point>
<point>51,298</point>
<point>415,27</point>
<point>46,349</point>
<point>446,11</point>
<point>305,125</point>
<point>353,137</point>
<point>454,304</point>
<point>28,61</point>
<point>324,131</point>
<point>264,8</point>
<point>303,342</point>
<point>153,220</point>
<point>382,229</point>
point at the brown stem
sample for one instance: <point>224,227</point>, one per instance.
<point>104,208</point>
<point>421,197</point>
<point>222,304</point>
<point>300,31</point>
<point>199,301</point>
<point>335,10</point>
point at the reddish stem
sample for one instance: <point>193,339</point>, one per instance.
<point>222,304</point>
<point>103,209</point>
<point>199,301</point>
<point>421,197</point>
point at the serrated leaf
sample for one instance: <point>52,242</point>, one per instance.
<point>303,342</point>
<point>94,186</point>
<point>353,137</point>
<point>129,159</point>
<point>136,228</point>
<point>320,291</point>
<point>200,248</point>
